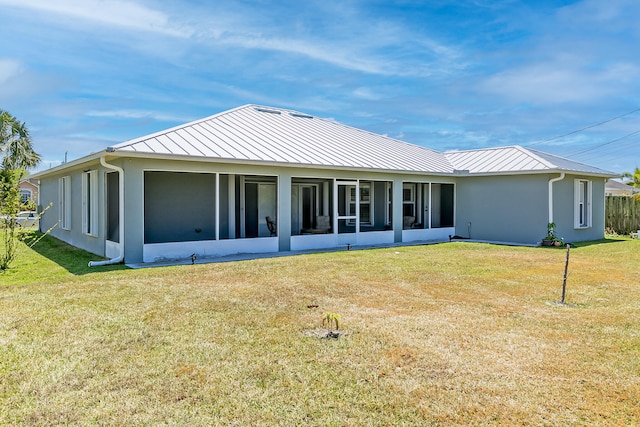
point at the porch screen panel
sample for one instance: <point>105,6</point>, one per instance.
<point>442,205</point>
<point>447,203</point>
<point>113,207</point>
<point>347,196</point>
<point>179,207</point>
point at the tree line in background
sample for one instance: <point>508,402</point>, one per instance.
<point>16,156</point>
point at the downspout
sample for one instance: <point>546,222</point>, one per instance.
<point>120,257</point>
<point>551,181</point>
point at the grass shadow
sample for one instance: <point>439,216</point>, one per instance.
<point>599,242</point>
<point>70,258</point>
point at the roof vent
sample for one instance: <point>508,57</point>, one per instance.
<point>266,110</point>
<point>461,171</point>
<point>304,116</point>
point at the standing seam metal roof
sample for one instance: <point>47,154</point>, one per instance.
<point>516,159</point>
<point>273,135</point>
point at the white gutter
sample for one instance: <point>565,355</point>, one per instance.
<point>120,257</point>
<point>551,181</point>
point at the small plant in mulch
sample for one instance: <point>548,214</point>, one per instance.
<point>329,321</point>
<point>330,326</point>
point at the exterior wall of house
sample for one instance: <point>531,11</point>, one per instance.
<point>516,208</point>
<point>564,209</point>
<point>74,235</point>
<point>495,208</point>
<point>503,208</point>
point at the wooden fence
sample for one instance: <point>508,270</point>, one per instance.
<point>622,214</point>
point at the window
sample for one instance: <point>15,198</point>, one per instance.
<point>409,200</point>
<point>582,209</point>
<point>64,190</point>
<point>90,203</point>
<point>25,196</point>
<point>366,196</point>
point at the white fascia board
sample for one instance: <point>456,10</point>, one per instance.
<point>204,159</point>
<point>73,164</point>
<point>534,172</point>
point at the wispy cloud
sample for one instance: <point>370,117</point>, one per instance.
<point>549,84</point>
<point>347,56</point>
<point>443,74</point>
<point>367,94</point>
<point>139,114</point>
<point>125,14</point>
<point>8,68</point>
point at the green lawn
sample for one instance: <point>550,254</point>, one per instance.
<point>448,334</point>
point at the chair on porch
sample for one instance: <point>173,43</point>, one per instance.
<point>408,222</point>
<point>271,225</point>
<point>323,226</point>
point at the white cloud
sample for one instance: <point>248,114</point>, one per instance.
<point>353,55</point>
<point>9,68</point>
<point>138,114</point>
<point>338,56</point>
<point>554,82</point>
<point>118,13</point>
<point>366,94</point>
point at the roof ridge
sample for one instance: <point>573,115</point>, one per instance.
<point>563,158</point>
<point>535,156</point>
<point>454,151</point>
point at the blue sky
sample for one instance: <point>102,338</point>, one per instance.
<point>85,74</point>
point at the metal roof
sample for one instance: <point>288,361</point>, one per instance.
<point>253,133</point>
<point>615,185</point>
<point>273,135</point>
<point>516,159</point>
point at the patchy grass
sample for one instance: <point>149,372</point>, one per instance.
<point>449,334</point>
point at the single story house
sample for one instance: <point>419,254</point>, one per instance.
<point>258,179</point>
<point>617,188</point>
<point>29,191</point>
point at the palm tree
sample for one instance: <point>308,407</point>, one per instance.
<point>634,178</point>
<point>16,155</point>
<point>16,149</point>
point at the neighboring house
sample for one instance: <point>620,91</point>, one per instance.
<point>29,191</point>
<point>616,188</point>
<point>260,179</point>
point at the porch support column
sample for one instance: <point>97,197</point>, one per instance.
<point>231,202</point>
<point>284,211</point>
<point>217,207</point>
<point>134,211</point>
<point>397,210</point>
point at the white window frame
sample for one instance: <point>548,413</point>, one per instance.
<point>582,216</point>
<point>26,195</point>
<point>411,201</point>
<point>64,198</point>
<point>90,202</point>
<point>351,202</point>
